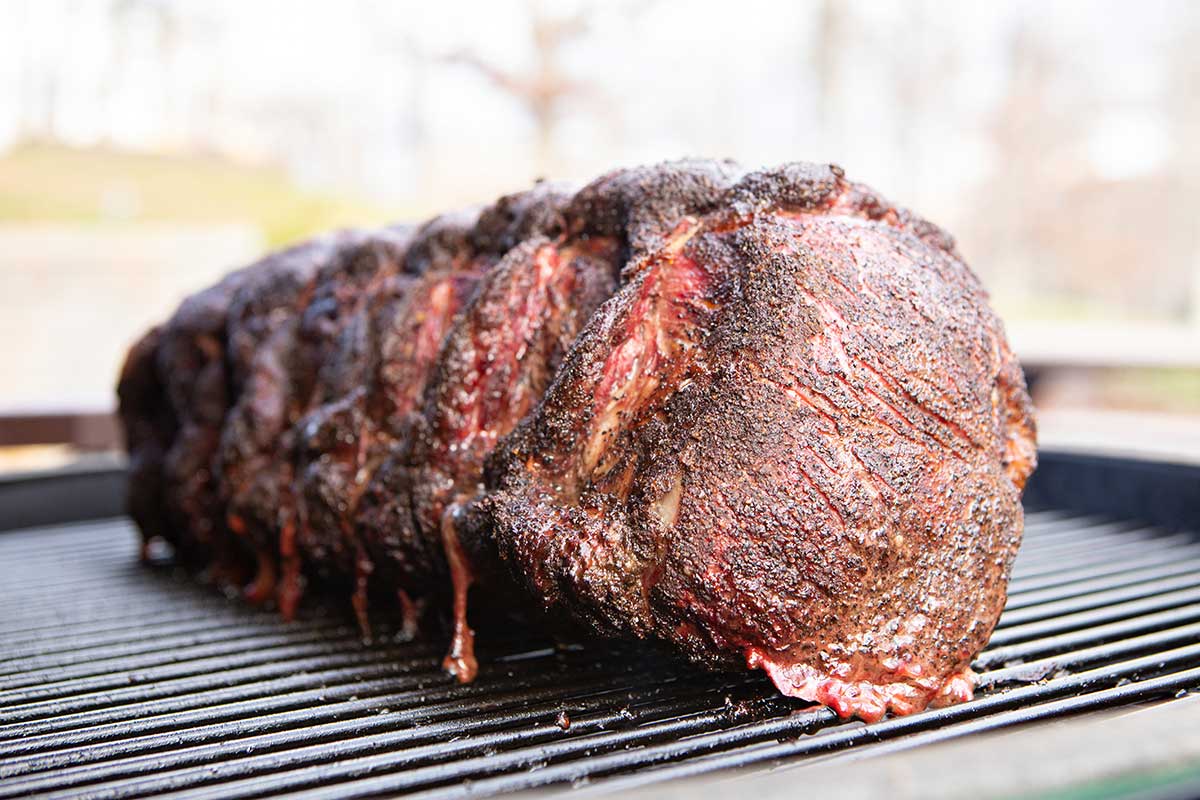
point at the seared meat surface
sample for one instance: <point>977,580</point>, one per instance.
<point>268,392</point>
<point>796,439</point>
<point>328,360</point>
<point>765,418</point>
<point>495,365</point>
<point>149,425</point>
<point>346,440</point>
<point>191,365</point>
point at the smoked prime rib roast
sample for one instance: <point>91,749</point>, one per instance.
<point>765,418</point>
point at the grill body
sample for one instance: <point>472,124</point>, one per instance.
<point>117,680</point>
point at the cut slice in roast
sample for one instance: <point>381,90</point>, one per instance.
<point>386,358</point>
<point>497,361</point>
<point>269,394</point>
<point>375,381</point>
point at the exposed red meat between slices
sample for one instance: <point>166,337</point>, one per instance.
<point>764,418</point>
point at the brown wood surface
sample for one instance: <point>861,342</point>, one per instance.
<point>83,430</point>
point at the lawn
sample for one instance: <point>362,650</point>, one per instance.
<point>53,183</point>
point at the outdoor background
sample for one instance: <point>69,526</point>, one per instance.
<point>149,146</point>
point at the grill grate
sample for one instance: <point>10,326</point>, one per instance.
<point>117,681</point>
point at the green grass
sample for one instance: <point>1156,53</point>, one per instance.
<point>1167,390</point>
<point>52,183</point>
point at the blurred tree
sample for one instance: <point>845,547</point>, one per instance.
<point>545,90</point>
<point>1182,106</point>
<point>833,24</point>
<point>919,65</point>
<point>1037,136</point>
<point>408,116</point>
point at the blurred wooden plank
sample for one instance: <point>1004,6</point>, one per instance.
<point>82,430</point>
<point>1132,434</point>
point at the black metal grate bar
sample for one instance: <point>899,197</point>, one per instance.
<point>119,682</point>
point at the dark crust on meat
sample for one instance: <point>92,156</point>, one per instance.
<point>352,440</point>
<point>345,440</point>
<point>443,243</point>
<point>519,217</point>
<point>263,345</point>
<point>829,485</point>
<point>497,361</point>
<point>191,361</point>
<point>293,334</point>
<point>639,206</point>
<point>149,426</point>
<point>402,546</point>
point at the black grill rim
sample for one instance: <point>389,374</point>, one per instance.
<point>1165,494</point>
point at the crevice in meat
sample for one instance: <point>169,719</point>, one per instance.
<point>344,441</point>
<point>263,340</point>
<point>496,361</point>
